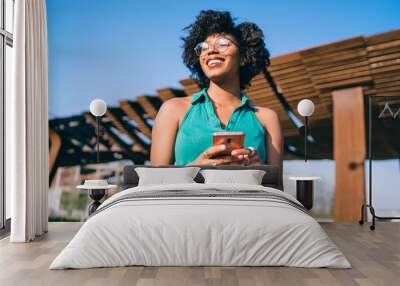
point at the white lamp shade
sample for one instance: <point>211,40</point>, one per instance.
<point>98,107</point>
<point>305,107</point>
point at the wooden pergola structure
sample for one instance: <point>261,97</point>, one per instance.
<point>337,77</point>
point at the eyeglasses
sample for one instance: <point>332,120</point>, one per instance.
<point>220,44</point>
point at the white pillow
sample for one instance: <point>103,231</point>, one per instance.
<point>164,176</point>
<point>249,177</point>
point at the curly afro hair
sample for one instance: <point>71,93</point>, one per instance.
<point>254,56</point>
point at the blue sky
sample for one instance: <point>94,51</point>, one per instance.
<point>119,49</point>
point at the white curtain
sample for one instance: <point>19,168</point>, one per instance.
<point>27,123</point>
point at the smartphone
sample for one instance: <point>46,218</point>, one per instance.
<point>232,140</point>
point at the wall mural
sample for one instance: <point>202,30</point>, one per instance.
<point>314,74</point>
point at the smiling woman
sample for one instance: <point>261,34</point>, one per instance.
<point>223,57</point>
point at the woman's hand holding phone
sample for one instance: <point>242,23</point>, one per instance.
<point>244,156</point>
<point>247,156</point>
<point>206,157</point>
<point>227,149</point>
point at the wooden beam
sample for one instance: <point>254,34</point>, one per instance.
<point>55,142</point>
<point>138,144</point>
<point>190,86</point>
<point>132,114</point>
<point>349,147</point>
<point>117,144</point>
<point>166,93</point>
<point>148,107</point>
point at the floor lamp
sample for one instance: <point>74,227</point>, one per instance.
<point>305,108</point>
<point>98,108</point>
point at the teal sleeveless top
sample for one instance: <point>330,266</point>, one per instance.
<point>194,135</point>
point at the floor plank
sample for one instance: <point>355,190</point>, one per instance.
<point>375,257</point>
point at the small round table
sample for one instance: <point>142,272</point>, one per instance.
<point>305,190</point>
<point>96,193</point>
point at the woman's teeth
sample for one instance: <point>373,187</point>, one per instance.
<point>214,62</point>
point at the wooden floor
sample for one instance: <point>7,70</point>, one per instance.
<point>375,257</point>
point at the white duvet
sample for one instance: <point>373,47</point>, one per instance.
<point>188,231</point>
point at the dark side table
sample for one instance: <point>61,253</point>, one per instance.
<point>96,195</point>
<point>305,190</point>
<point>97,190</point>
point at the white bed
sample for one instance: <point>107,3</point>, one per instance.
<point>225,225</point>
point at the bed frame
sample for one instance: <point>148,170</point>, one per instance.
<point>270,179</point>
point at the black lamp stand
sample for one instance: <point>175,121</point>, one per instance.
<point>305,138</point>
<point>96,194</point>
<point>97,138</point>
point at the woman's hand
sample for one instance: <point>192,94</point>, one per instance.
<point>205,158</point>
<point>246,156</point>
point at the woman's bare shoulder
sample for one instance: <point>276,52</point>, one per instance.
<point>267,115</point>
<point>175,105</point>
